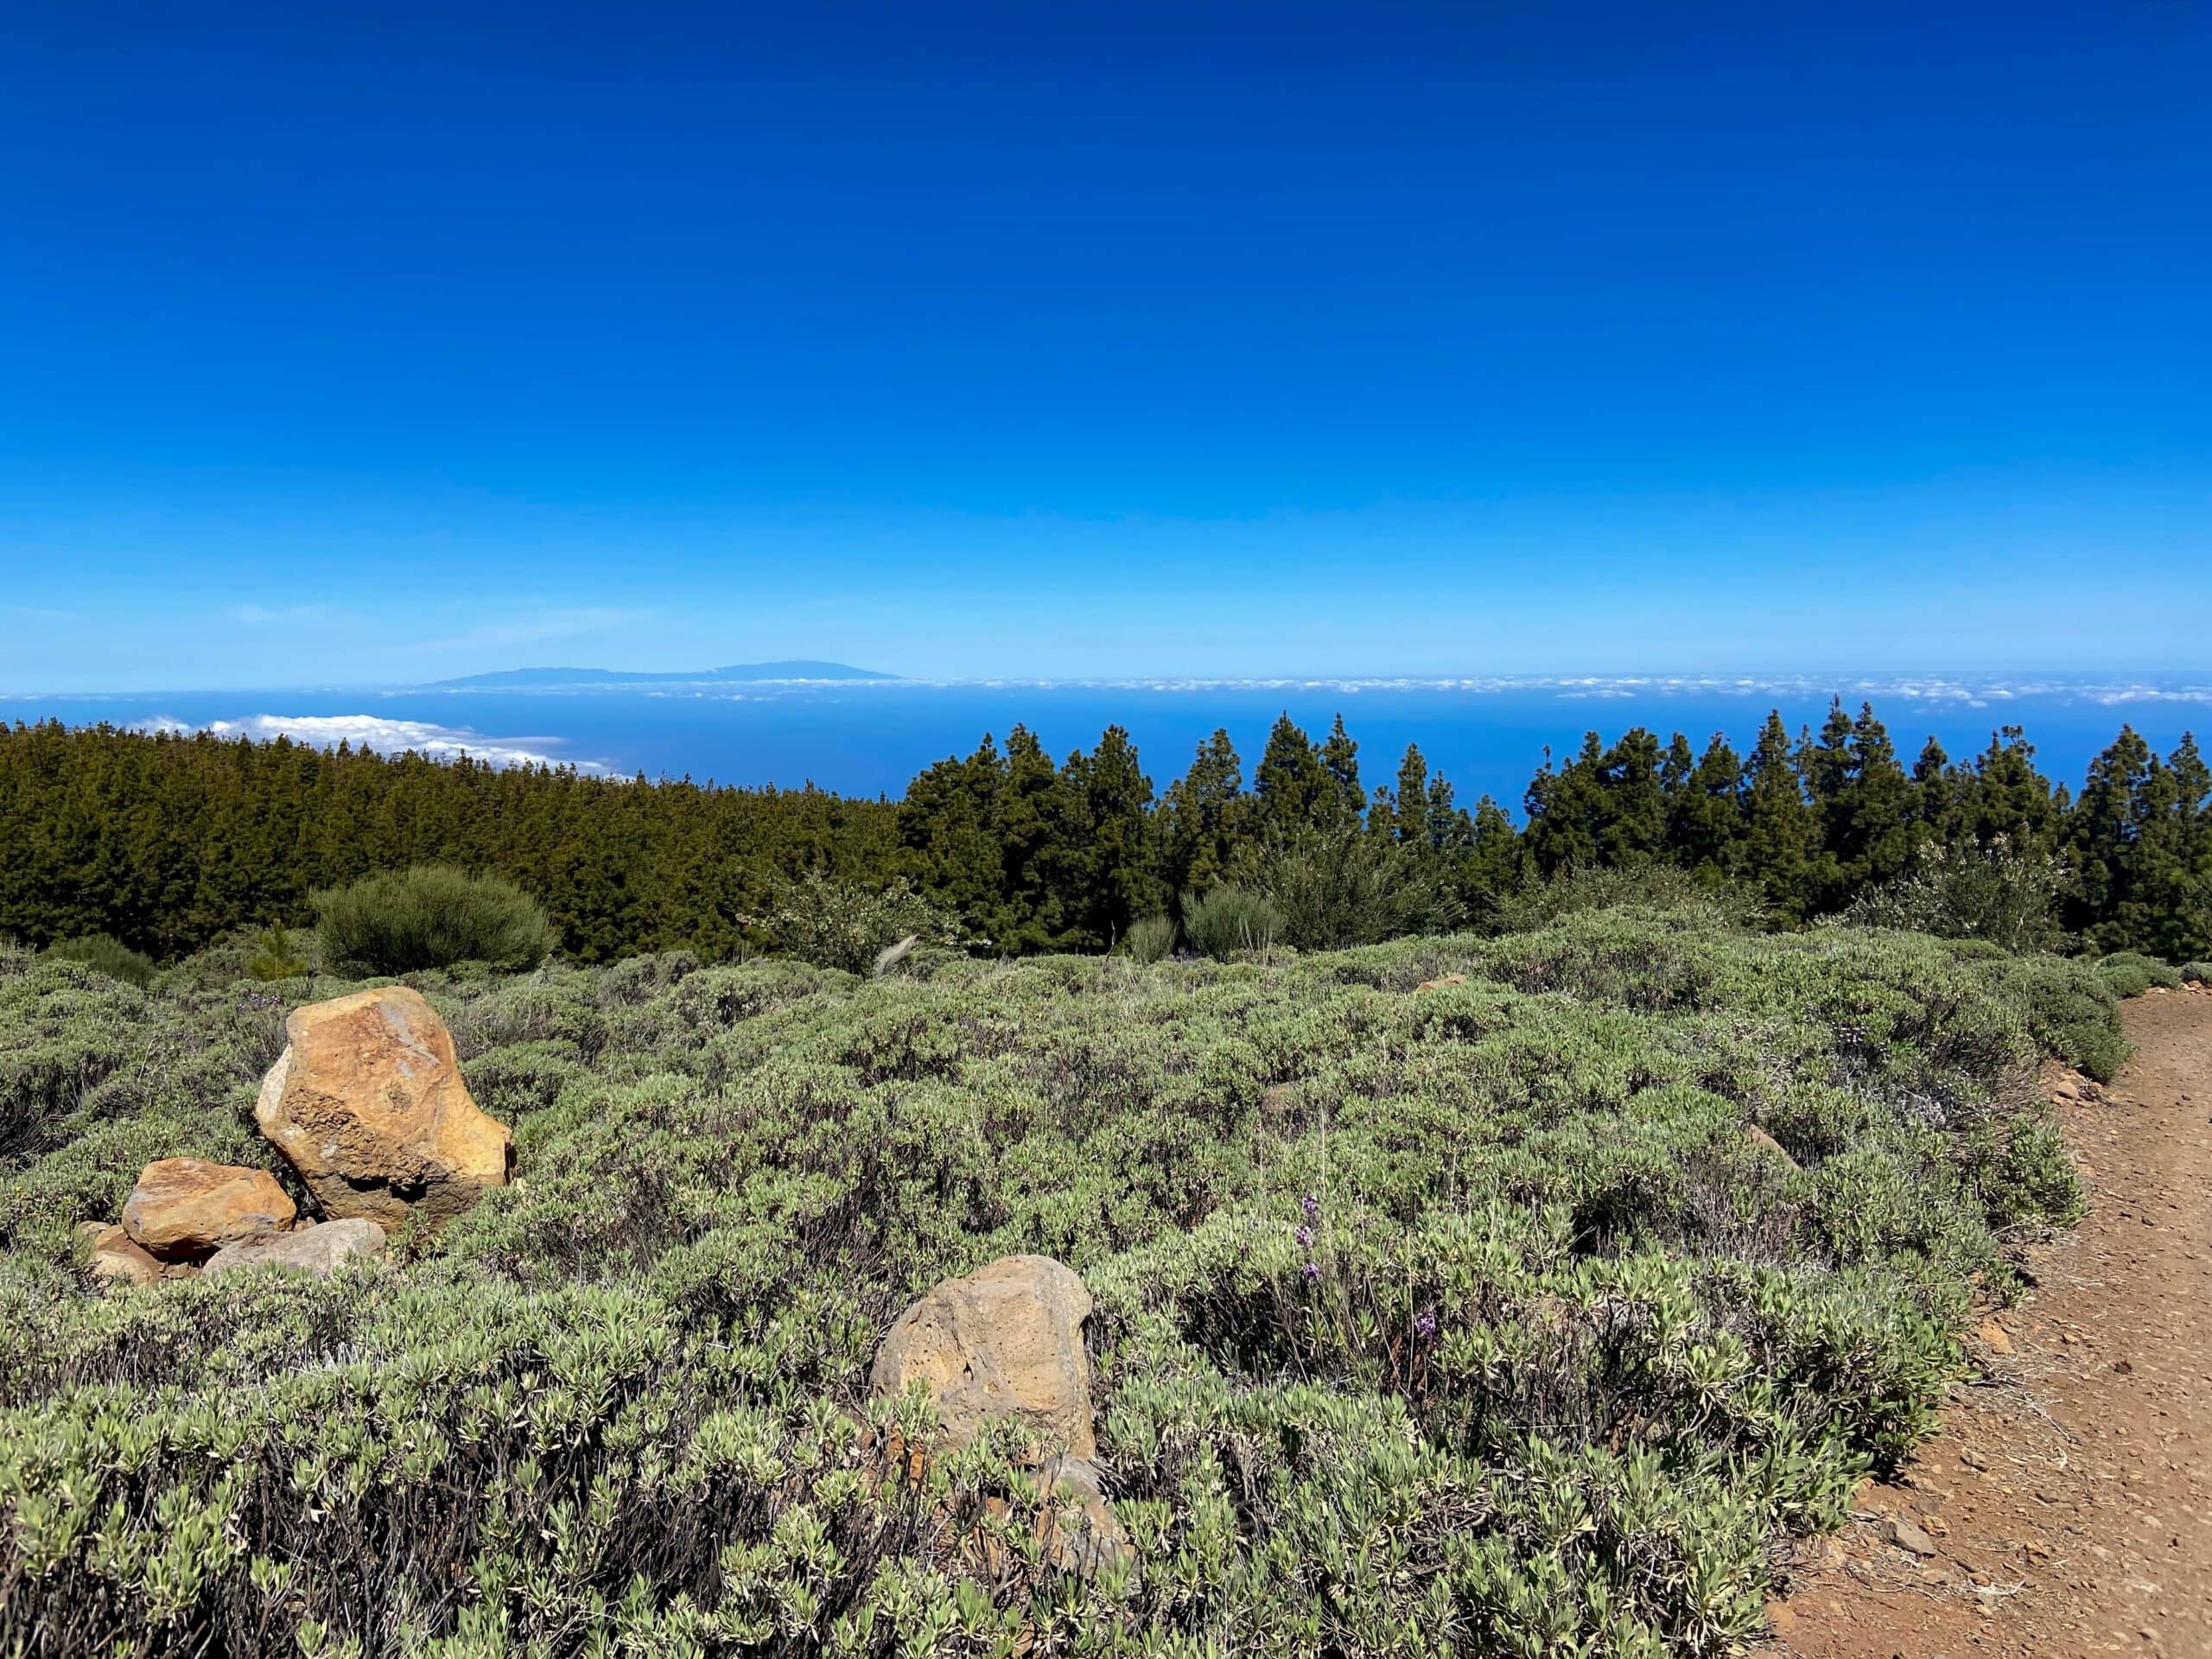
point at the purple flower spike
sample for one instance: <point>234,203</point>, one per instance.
<point>1305,1237</point>
<point>1312,1270</point>
<point>1424,1324</point>
<point>1312,1205</point>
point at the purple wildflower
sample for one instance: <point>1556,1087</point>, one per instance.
<point>1312,1270</point>
<point>1424,1324</point>
<point>1311,1205</point>
<point>1305,1237</point>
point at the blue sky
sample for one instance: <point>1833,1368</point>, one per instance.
<point>344,344</point>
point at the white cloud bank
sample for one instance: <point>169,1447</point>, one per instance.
<point>385,736</point>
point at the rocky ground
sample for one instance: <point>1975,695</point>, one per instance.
<point>2067,1507</point>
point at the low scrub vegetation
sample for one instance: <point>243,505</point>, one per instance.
<point>1444,1302</point>
<point>2130,973</point>
<point>843,924</point>
<point>111,956</point>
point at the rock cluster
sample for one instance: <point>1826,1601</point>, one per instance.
<point>1006,1343</point>
<point>368,1106</point>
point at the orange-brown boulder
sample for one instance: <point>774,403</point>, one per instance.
<point>368,1104</point>
<point>185,1209</point>
<point>1005,1342</point>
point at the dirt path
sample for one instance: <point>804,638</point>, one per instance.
<point>2067,1509</point>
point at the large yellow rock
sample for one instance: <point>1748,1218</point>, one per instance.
<point>1005,1342</point>
<point>184,1208</point>
<point>369,1106</point>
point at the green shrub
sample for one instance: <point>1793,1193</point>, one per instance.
<point>2197,973</point>
<point>2006,897</point>
<point>2130,973</point>
<point>427,916</point>
<point>1230,922</point>
<point>844,926</point>
<point>104,955</point>
<point>1700,900</point>
<point>2069,1008</point>
<point>1333,890</point>
<point>1150,938</point>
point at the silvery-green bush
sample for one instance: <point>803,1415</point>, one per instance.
<point>1458,1319</point>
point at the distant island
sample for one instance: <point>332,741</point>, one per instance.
<point>798,669</point>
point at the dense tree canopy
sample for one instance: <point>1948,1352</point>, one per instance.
<point>167,843</point>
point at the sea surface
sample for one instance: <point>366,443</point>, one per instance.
<point>868,738</point>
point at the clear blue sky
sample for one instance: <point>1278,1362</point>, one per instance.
<point>382,343</point>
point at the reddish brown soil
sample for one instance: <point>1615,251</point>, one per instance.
<point>2067,1507</point>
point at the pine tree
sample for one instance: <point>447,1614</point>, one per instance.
<point>1493,865</point>
<point>1632,801</point>
<point>1936,788</point>
<point>1882,830</point>
<point>1204,836</point>
<point>2003,794</point>
<point>1340,760</point>
<point>1705,815</point>
<point>1295,791</point>
<point>2102,835</point>
<point>1780,832</point>
<point>1567,809</point>
<point>1409,805</point>
<point>949,825</point>
<point>1117,883</point>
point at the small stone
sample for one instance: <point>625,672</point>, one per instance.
<point>1993,1338</point>
<point>1093,1538</point>
<point>1907,1536</point>
<point>1004,1342</point>
<point>1439,984</point>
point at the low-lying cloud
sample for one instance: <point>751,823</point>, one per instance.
<point>385,736</point>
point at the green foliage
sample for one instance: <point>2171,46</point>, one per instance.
<point>1334,890</point>
<point>1646,888</point>
<point>106,954</point>
<point>2069,1010</point>
<point>2006,895</point>
<point>173,843</point>
<point>166,842</point>
<point>2130,973</point>
<point>1464,1318</point>
<point>2139,842</point>
<point>1151,938</point>
<point>1230,922</point>
<point>276,955</point>
<point>842,924</point>
<point>429,917</point>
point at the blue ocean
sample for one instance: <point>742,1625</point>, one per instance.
<point>868,738</point>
